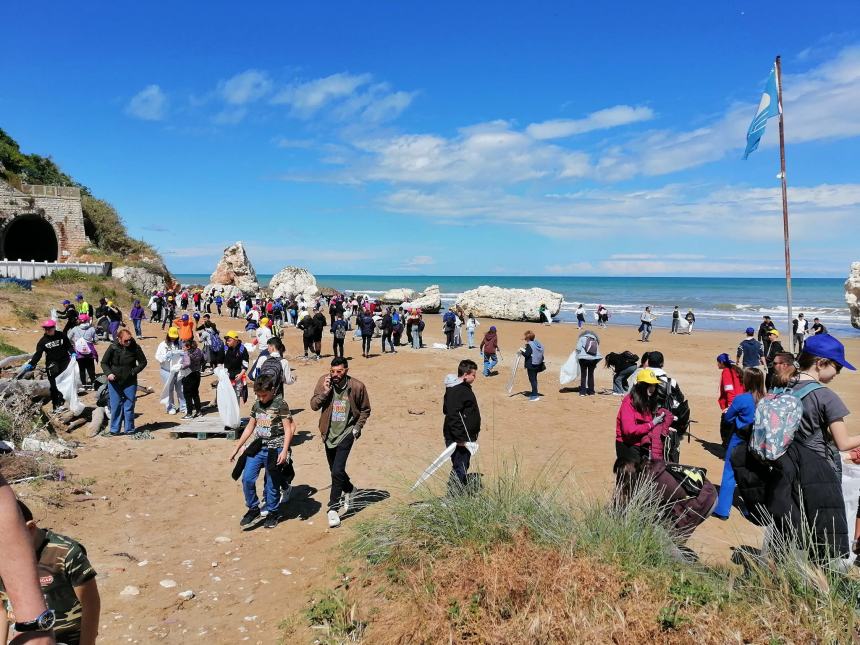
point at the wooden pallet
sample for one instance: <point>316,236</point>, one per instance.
<point>202,433</point>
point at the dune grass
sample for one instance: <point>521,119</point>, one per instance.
<point>535,561</point>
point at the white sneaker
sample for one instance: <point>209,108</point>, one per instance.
<point>344,503</point>
<point>285,494</point>
<point>171,411</point>
<point>333,519</point>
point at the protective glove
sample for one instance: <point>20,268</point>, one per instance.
<point>28,367</point>
<point>658,419</point>
<point>356,433</point>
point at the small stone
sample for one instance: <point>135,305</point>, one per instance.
<point>249,600</point>
<point>222,539</point>
<point>143,563</point>
<point>168,583</point>
<point>286,572</point>
<point>186,595</point>
<point>250,619</point>
<point>188,563</point>
<point>130,591</point>
<point>214,564</point>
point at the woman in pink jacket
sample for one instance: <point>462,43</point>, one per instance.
<point>641,428</point>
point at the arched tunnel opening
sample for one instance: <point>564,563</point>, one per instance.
<point>30,237</point>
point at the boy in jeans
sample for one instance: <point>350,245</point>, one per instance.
<point>272,427</point>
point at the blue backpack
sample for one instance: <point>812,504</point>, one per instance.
<point>777,419</point>
<point>215,342</point>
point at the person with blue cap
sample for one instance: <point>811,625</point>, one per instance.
<point>750,351</point>
<point>823,428</point>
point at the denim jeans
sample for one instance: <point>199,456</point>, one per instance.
<point>533,380</point>
<point>619,382</point>
<point>727,485</point>
<point>586,372</point>
<point>490,361</point>
<point>122,407</point>
<point>253,466</point>
<point>138,331</point>
<point>459,466</point>
<point>470,334</point>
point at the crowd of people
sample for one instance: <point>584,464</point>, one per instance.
<point>762,476</point>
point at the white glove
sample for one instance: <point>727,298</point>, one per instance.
<point>658,419</point>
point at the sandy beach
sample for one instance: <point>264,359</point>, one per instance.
<point>171,510</point>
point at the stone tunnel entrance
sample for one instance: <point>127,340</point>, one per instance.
<point>29,237</point>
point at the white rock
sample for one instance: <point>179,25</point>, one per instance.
<point>428,301</point>
<point>186,595</point>
<point>396,296</point>
<point>143,563</point>
<point>168,583</point>
<point>286,572</point>
<point>130,591</point>
<point>56,447</point>
<point>292,282</point>
<point>142,280</point>
<point>222,539</point>
<point>236,269</point>
<point>852,294</point>
<point>509,304</point>
<point>227,291</point>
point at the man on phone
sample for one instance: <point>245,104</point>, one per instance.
<point>344,407</point>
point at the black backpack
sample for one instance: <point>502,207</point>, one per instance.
<point>673,399</point>
<point>272,366</point>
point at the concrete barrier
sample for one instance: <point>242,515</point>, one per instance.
<point>32,270</point>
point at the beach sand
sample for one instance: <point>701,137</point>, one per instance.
<point>172,504</point>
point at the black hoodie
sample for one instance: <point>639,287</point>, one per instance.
<point>461,414</point>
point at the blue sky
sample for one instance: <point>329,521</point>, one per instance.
<point>452,138</point>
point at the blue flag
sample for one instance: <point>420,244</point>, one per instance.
<point>767,108</point>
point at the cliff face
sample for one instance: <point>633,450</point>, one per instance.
<point>852,294</point>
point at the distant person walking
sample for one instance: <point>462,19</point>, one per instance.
<point>690,317</point>
<point>489,349</point>
<point>676,320</point>
<point>344,407</point>
<point>471,326</point>
<point>750,352</point>
<point>580,316</point>
<point>646,320</point>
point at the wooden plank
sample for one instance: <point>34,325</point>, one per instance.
<point>202,433</point>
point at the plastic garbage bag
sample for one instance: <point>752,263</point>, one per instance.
<point>68,383</point>
<point>850,493</point>
<point>570,369</point>
<point>228,405</point>
<point>169,386</point>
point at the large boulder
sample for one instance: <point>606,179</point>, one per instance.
<point>509,304</point>
<point>292,282</point>
<point>396,296</point>
<point>141,280</point>
<point>428,301</point>
<point>852,294</point>
<point>226,291</point>
<point>235,269</point>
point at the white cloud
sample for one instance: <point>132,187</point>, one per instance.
<point>247,87</point>
<point>230,115</point>
<point>309,97</point>
<point>419,261</point>
<point>600,120</point>
<point>571,268</point>
<point>150,104</point>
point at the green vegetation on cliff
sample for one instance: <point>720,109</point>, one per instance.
<point>104,225</point>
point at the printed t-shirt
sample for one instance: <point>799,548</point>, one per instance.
<point>62,566</point>
<point>338,427</point>
<point>270,421</point>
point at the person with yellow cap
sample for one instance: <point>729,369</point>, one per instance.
<point>264,332</point>
<point>641,427</point>
<point>169,312</point>
<point>236,360</point>
<point>169,356</point>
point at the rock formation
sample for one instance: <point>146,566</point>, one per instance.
<point>397,296</point>
<point>428,301</point>
<point>144,282</point>
<point>291,282</point>
<point>235,269</point>
<point>852,294</point>
<point>509,304</point>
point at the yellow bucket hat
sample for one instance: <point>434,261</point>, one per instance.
<point>231,334</point>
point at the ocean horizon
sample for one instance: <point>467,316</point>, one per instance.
<point>718,303</point>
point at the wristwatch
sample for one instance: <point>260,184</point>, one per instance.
<point>42,623</point>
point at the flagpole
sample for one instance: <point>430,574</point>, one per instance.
<point>784,200</point>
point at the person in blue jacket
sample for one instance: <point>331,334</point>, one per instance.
<point>742,413</point>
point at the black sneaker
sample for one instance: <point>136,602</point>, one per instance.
<point>271,521</point>
<point>250,516</point>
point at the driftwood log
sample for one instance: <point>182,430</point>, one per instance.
<point>13,360</point>
<point>39,389</point>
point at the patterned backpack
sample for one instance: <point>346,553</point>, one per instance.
<point>777,418</point>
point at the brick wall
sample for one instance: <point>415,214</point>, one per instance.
<point>59,205</point>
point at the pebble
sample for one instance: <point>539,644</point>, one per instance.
<point>143,563</point>
<point>186,595</point>
<point>214,564</point>
<point>286,572</point>
<point>250,619</point>
<point>130,591</point>
<point>168,583</point>
<point>222,539</point>
<point>249,600</point>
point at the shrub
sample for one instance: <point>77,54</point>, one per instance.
<point>63,276</point>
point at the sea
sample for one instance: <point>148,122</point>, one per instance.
<point>729,304</point>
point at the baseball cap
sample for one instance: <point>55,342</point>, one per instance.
<point>647,376</point>
<point>264,321</point>
<point>173,332</point>
<point>66,302</point>
<point>80,296</point>
<point>184,316</point>
<point>84,317</point>
<point>725,359</point>
<point>773,332</point>
<point>48,324</point>
<point>826,346</point>
<point>231,334</point>
<point>196,316</point>
<point>750,330</point>
<point>492,328</point>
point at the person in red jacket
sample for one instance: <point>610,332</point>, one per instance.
<point>731,381</point>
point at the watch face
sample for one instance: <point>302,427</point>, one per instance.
<point>46,620</point>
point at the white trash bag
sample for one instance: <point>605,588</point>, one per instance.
<point>68,383</point>
<point>169,386</point>
<point>228,405</point>
<point>570,369</point>
<point>850,493</point>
